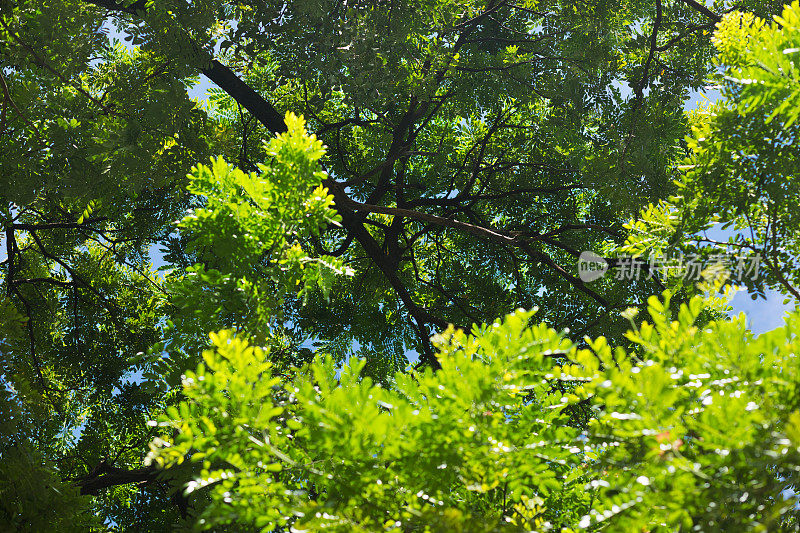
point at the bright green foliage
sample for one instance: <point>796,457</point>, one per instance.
<point>761,60</point>
<point>247,233</point>
<point>699,429</point>
<point>690,424</point>
<point>480,445</point>
<point>227,434</point>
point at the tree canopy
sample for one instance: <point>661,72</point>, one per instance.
<point>343,292</point>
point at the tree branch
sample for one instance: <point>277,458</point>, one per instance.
<point>697,6</point>
<point>244,95</point>
<point>439,221</point>
<point>104,476</point>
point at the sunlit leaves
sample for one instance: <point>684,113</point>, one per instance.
<point>482,441</point>
<point>692,427</point>
<point>690,424</point>
<point>762,62</point>
<point>229,427</point>
<point>250,229</point>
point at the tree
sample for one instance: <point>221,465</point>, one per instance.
<point>473,151</point>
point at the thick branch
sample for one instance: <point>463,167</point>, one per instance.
<point>133,9</point>
<point>697,6</point>
<point>420,315</point>
<point>244,95</point>
<point>52,281</point>
<point>57,225</point>
<point>104,476</point>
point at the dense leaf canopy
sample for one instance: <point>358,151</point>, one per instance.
<point>336,230</point>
